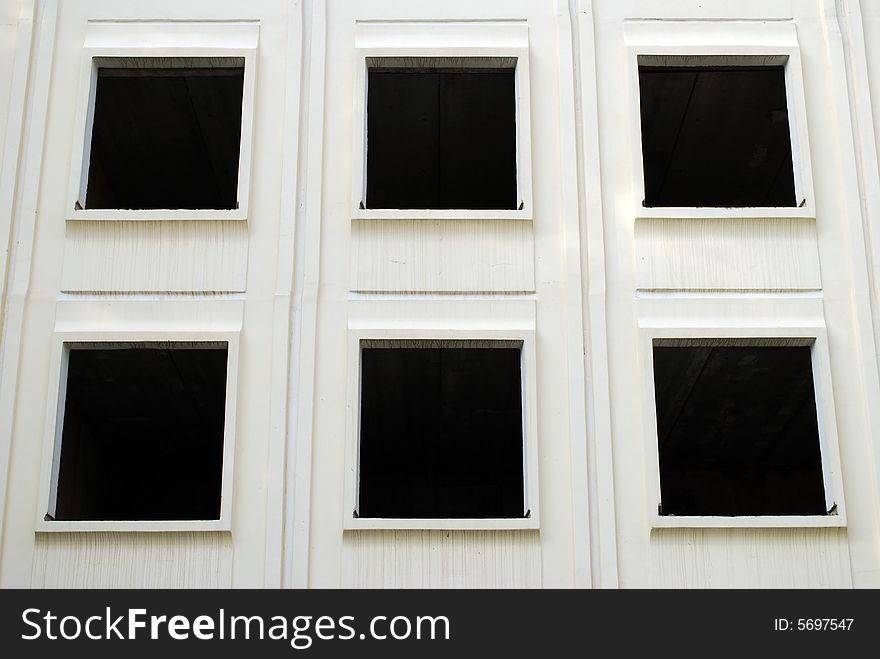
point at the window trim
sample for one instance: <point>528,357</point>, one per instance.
<point>523,332</point>
<point>413,39</point>
<point>55,421</point>
<point>108,41</point>
<point>745,43</point>
<point>817,339</point>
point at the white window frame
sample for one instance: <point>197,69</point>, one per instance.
<point>55,421</point>
<point>817,339</point>
<point>478,39</point>
<point>130,40</point>
<point>518,325</point>
<point>731,43</point>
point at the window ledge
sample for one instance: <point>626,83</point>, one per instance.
<point>379,523</point>
<point>439,214</point>
<point>766,521</point>
<point>711,212</point>
<point>142,215</point>
<point>131,526</point>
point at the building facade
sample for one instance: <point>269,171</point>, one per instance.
<point>596,305</point>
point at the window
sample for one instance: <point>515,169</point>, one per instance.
<point>441,430</point>
<point>166,133</point>
<point>164,121</point>
<point>441,121</point>
<point>737,428</point>
<point>142,430</point>
<point>721,115</point>
<point>441,133</point>
<point>715,135</point>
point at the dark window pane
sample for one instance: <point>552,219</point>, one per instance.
<point>716,137</point>
<point>143,433</point>
<point>441,139</point>
<point>737,431</point>
<point>166,138</point>
<point>441,432</point>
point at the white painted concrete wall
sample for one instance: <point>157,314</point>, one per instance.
<point>8,39</point>
<point>589,277</point>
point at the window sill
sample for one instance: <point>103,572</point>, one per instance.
<point>155,214</point>
<point>145,526</point>
<point>438,214</point>
<point>712,212</point>
<point>381,523</point>
<point>768,521</point>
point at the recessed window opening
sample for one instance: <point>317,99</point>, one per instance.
<point>441,429</point>
<point>737,428</point>
<point>142,432</point>
<point>715,135</point>
<point>166,133</point>
<point>441,133</point>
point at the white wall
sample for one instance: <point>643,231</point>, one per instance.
<point>535,270</point>
<point>15,34</point>
<point>770,292</point>
<point>8,37</point>
<point>592,282</point>
<point>106,290</point>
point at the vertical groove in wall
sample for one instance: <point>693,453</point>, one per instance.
<point>132,560</point>
<point>442,559</point>
<point>751,558</point>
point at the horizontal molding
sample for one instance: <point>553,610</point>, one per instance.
<point>442,559</point>
<point>727,254</point>
<point>441,255</point>
<point>750,558</point>
<point>132,560</point>
<point>155,257</point>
